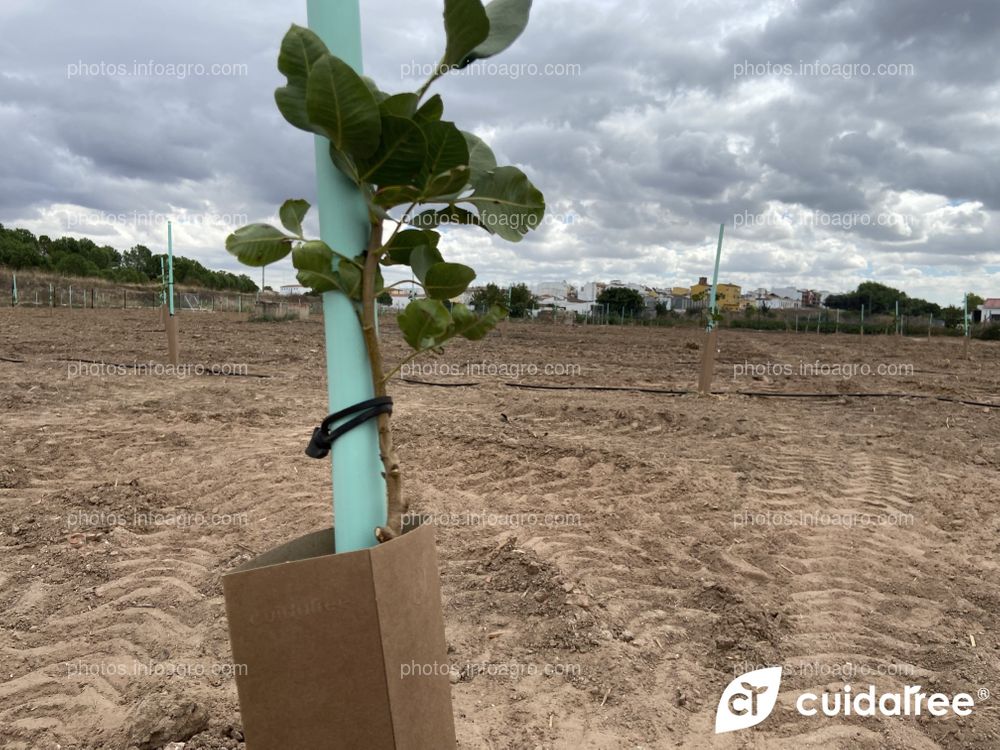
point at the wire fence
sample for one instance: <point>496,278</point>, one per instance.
<point>32,292</point>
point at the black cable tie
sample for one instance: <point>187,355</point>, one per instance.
<point>324,435</point>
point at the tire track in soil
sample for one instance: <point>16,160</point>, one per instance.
<point>848,609</point>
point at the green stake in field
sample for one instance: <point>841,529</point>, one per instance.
<point>862,319</point>
<point>13,291</point>
<point>171,321</point>
<point>711,332</point>
<point>359,492</point>
<point>170,268</point>
<point>965,325</point>
<point>163,280</point>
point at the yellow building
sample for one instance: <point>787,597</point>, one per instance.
<point>727,296</point>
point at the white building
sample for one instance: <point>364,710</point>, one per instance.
<point>990,310</point>
<point>291,289</point>
<point>552,289</point>
<point>590,291</point>
<point>788,292</point>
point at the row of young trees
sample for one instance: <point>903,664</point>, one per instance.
<point>68,256</point>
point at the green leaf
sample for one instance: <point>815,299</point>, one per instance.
<point>466,26</point>
<point>380,96</point>
<point>292,212</point>
<point>473,327</point>
<point>481,158</point>
<point>345,164</point>
<point>319,281</point>
<point>351,277</point>
<point>447,280</point>
<point>446,186</point>
<point>342,106</point>
<point>508,203</point>
<point>322,270</point>
<point>314,255</point>
<point>508,18</point>
<point>399,247</point>
<point>424,323</point>
<point>300,50</point>
<point>446,150</point>
<point>258,244</point>
<point>397,195</point>
<point>400,154</point>
<point>430,111</point>
<point>422,258</point>
<point>401,105</point>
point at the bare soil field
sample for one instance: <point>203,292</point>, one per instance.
<point>610,559</point>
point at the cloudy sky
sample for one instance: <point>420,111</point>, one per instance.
<point>838,141</point>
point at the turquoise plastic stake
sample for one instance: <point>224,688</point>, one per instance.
<point>359,503</point>
<point>715,280</point>
<point>170,268</point>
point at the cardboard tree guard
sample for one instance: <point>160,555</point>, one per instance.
<point>341,650</point>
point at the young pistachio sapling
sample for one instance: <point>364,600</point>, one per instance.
<point>415,171</point>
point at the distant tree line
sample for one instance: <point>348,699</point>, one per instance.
<point>879,299</point>
<point>518,299</point>
<point>68,256</point>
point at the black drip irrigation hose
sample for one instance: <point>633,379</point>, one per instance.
<point>440,385</point>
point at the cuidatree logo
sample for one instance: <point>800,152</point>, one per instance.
<point>751,697</point>
<point>748,700</point>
